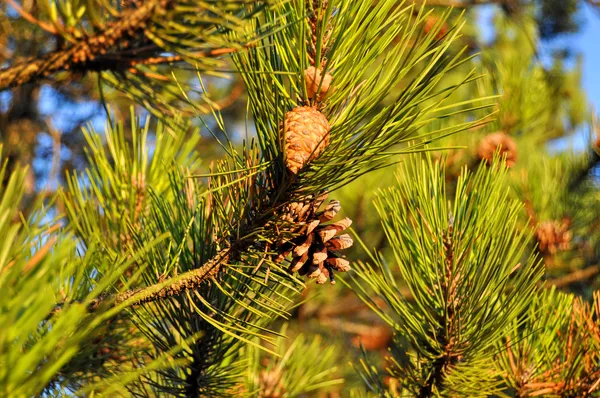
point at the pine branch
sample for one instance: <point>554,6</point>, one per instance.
<point>575,276</point>
<point>187,281</point>
<point>85,52</point>
<point>30,18</point>
<point>435,378</point>
<point>463,277</point>
<point>192,279</point>
<point>449,289</point>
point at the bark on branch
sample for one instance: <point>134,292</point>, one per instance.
<point>575,276</point>
<point>85,51</point>
<point>172,287</point>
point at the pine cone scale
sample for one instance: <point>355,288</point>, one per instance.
<point>305,136</point>
<point>314,250</point>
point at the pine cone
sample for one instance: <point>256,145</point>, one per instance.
<point>553,236</point>
<point>376,337</point>
<point>492,142</point>
<point>316,83</point>
<point>305,136</point>
<point>315,252</point>
<point>430,22</point>
<point>270,384</point>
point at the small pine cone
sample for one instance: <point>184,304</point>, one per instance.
<point>376,337</point>
<point>315,252</point>
<point>430,22</point>
<point>553,236</point>
<point>305,136</point>
<point>317,85</point>
<point>270,384</point>
<point>498,141</point>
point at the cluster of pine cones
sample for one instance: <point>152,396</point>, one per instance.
<point>315,249</point>
<point>553,236</point>
<point>313,242</point>
<point>501,142</point>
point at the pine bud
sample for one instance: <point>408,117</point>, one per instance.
<point>317,84</point>
<point>501,142</point>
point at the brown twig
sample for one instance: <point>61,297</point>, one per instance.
<point>447,336</point>
<point>172,287</point>
<point>178,58</point>
<point>575,276</point>
<point>84,51</point>
<point>97,52</point>
<point>30,18</point>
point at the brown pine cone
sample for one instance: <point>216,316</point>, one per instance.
<point>305,136</point>
<point>553,236</point>
<point>315,252</point>
<point>498,141</point>
<point>270,384</point>
<point>317,85</point>
<point>430,22</point>
<point>376,337</point>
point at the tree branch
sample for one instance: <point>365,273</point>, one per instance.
<point>575,276</point>
<point>172,287</point>
<point>83,52</point>
<point>30,18</point>
<point>447,335</point>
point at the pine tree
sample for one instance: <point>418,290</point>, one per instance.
<point>190,247</point>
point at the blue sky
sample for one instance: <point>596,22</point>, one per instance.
<point>586,42</point>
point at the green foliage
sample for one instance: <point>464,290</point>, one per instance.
<point>555,351</point>
<point>39,267</point>
<point>129,198</point>
<point>138,48</point>
<point>535,102</point>
<point>164,278</point>
<point>462,262</point>
<point>105,203</point>
<point>198,33</point>
<point>223,314</point>
<point>368,66</point>
<point>223,221</point>
<point>302,366</point>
